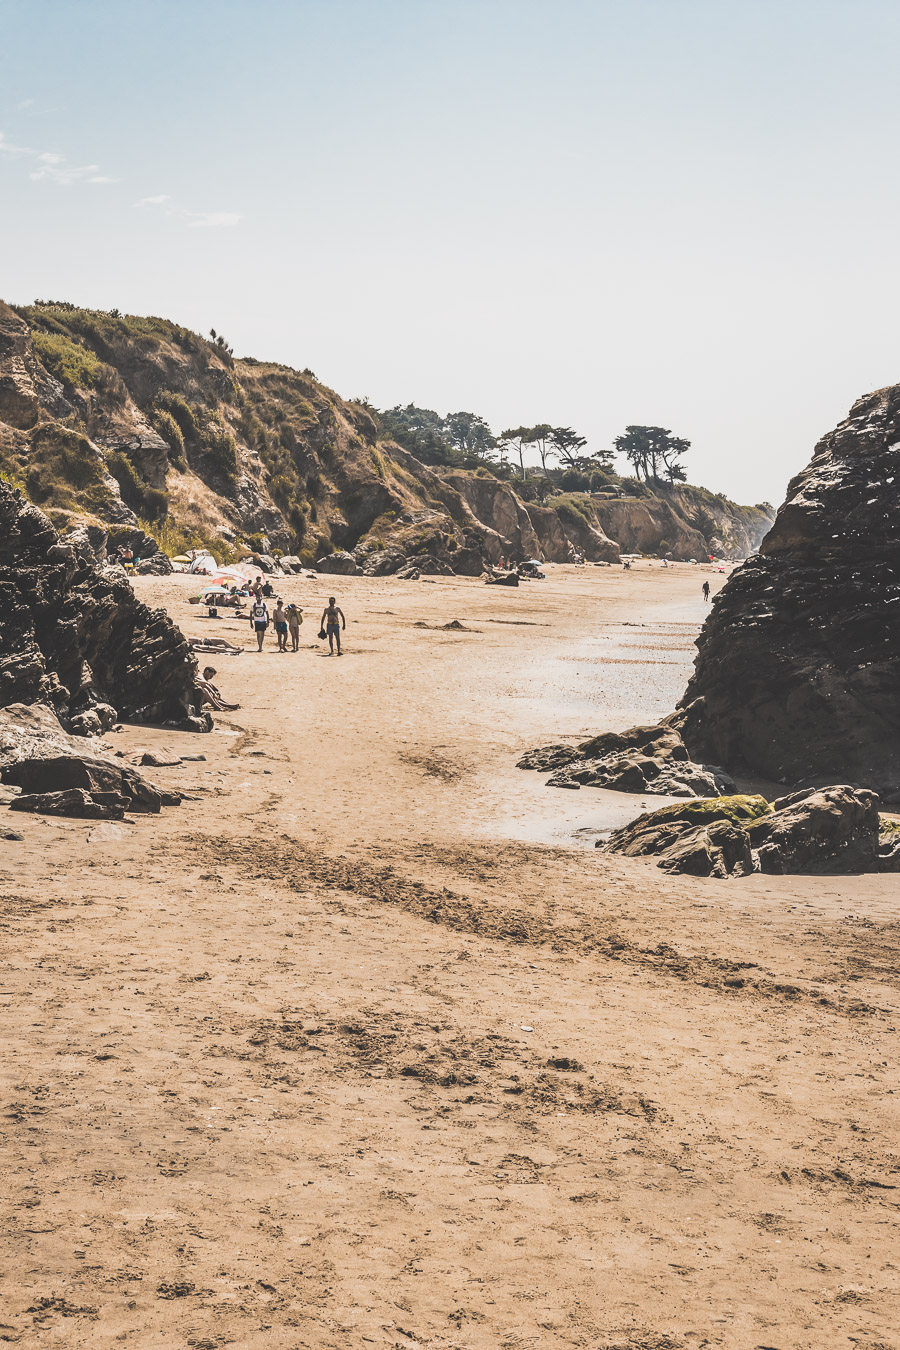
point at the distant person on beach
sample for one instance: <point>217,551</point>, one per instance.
<point>256,588</point>
<point>332,621</point>
<point>706,591</point>
<point>294,618</point>
<point>259,617</point>
<point>280,620</point>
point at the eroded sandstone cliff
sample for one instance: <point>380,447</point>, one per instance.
<point>116,418</point>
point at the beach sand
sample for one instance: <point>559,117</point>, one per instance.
<point>366,1045</point>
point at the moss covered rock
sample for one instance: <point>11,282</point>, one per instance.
<point>738,808</point>
<point>832,829</point>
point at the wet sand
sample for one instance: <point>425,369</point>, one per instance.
<point>365,1044</point>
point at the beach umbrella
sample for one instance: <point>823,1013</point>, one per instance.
<point>215,590</point>
<point>238,571</point>
<point>182,557</point>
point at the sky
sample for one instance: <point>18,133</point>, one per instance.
<point>584,212</point>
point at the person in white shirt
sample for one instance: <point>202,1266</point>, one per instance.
<point>259,618</point>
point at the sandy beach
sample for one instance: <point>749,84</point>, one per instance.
<point>365,1044</point>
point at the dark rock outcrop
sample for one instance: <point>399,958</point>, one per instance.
<point>426,565</point>
<point>827,830</point>
<point>32,731</point>
<point>798,669</point>
<point>77,639</point>
<point>831,829</point>
<point>265,562</point>
<point>56,777</point>
<point>63,772</point>
<point>339,564</point>
<point>392,561</point>
<point>24,384</point>
<point>76,802</point>
<point>158,565</point>
<point>643,759</point>
<point>383,562</point>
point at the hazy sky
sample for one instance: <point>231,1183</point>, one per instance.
<point>587,212</point>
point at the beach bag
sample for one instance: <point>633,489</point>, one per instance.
<point>322,634</point>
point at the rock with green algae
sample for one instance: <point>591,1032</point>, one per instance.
<point>738,808</point>
<point>889,845</point>
<point>833,829</point>
<point>704,837</point>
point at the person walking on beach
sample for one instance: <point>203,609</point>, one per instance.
<point>259,618</point>
<point>280,620</point>
<point>294,618</point>
<point>706,591</point>
<point>332,621</point>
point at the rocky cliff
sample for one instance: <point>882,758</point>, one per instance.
<point>798,669</point>
<point>75,638</point>
<point>117,419</point>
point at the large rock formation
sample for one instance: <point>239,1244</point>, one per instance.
<point>798,670</point>
<point>75,638</point>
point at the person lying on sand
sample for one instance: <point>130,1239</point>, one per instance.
<point>332,621</point>
<point>210,693</point>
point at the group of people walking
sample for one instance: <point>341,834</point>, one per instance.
<point>286,621</point>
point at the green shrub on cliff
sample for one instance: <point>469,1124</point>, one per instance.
<point>215,443</point>
<point>164,423</point>
<point>174,539</point>
<point>573,510</point>
<point>73,364</point>
<point>378,463</point>
<point>65,470</point>
<point>181,411</point>
<point>281,490</point>
<point>143,499</point>
<point>298,523</point>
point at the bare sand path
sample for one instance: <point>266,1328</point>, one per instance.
<point>366,1045</point>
